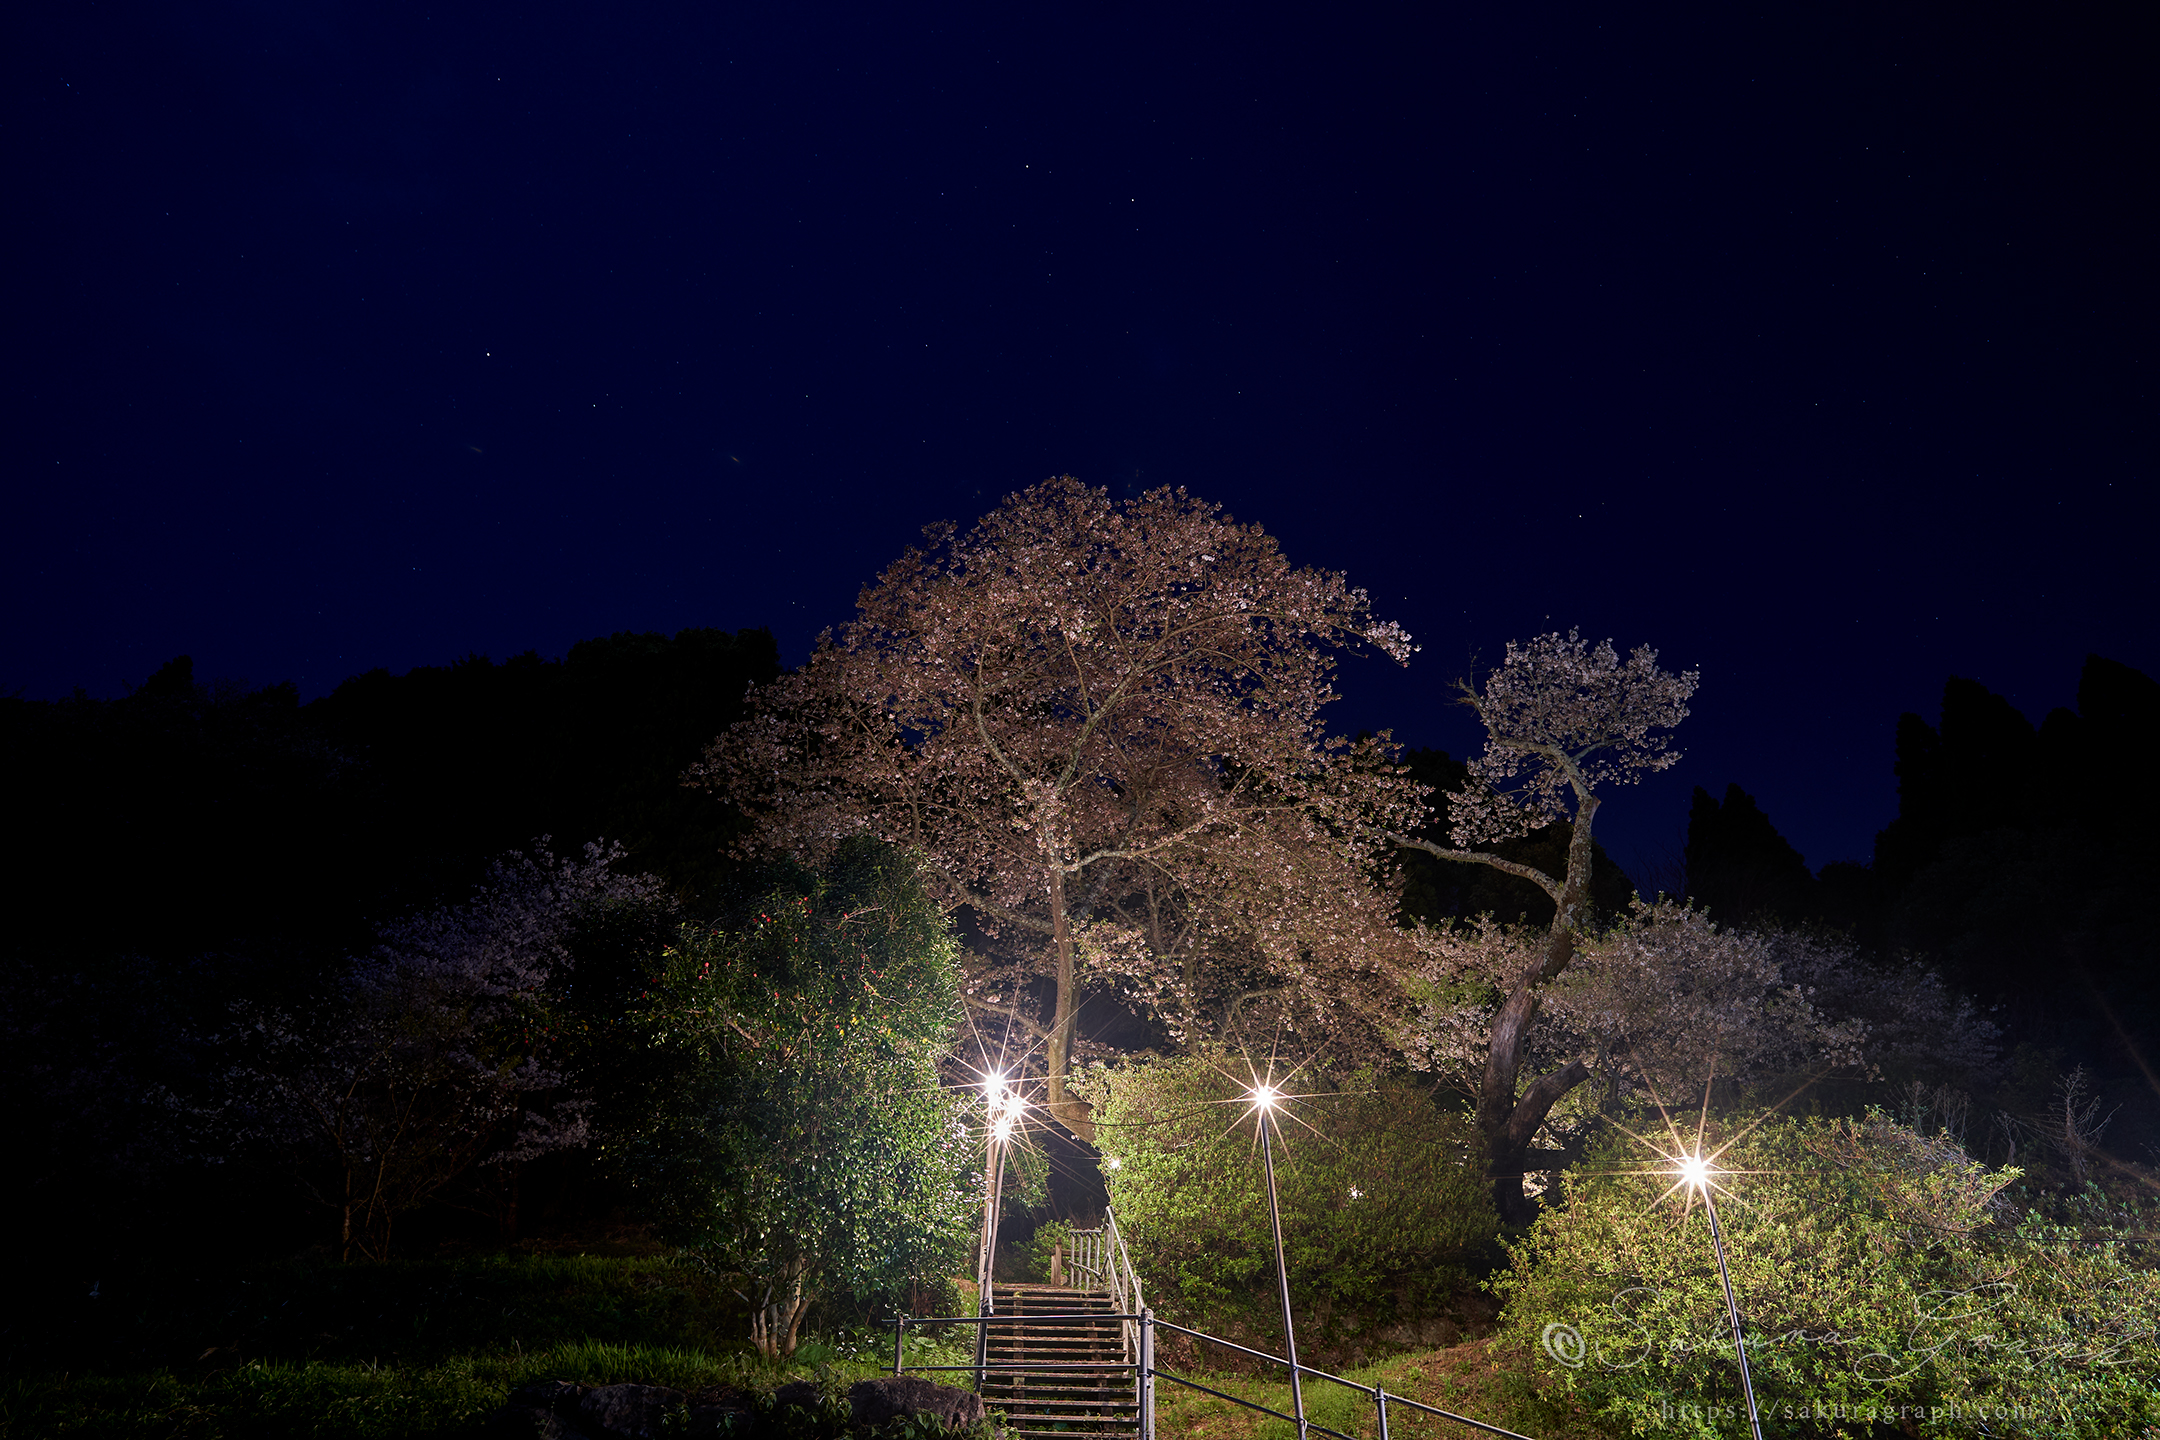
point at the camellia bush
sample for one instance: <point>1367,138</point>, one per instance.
<point>1884,1279</point>
<point>797,1136</point>
<point>1383,1191</point>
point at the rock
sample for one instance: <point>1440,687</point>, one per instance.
<point>799,1392</point>
<point>630,1412</point>
<point>878,1402</point>
<point>543,1411</point>
<point>715,1411</point>
<point>717,1420</point>
<point>560,1396</point>
<point>522,1422</point>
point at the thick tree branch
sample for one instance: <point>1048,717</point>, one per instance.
<point>1535,876</point>
<point>1538,1100</point>
<point>1025,921</point>
<point>1009,1013</point>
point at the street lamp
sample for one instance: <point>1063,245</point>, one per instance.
<point>1694,1174</point>
<point>1264,1099</point>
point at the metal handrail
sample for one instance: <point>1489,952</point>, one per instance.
<point>1146,1372</point>
<point>1381,1397</point>
<point>1101,1256</point>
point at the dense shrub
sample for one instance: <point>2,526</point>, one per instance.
<point>797,1134</point>
<point>1050,1236</point>
<point>1382,1188</point>
<point>1881,1274</point>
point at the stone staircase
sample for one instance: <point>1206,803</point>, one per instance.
<point>1049,1397</point>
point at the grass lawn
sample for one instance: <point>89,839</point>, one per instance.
<point>410,1349</point>
<point>1475,1379</point>
<point>431,1348</point>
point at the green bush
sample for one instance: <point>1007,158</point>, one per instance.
<point>1383,1193</point>
<point>1882,1277</point>
<point>1048,1236</point>
<point>803,1141</point>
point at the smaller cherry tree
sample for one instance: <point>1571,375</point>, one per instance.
<point>1563,719</point>
<point>1669,1002</point>
<point>440,1050</point>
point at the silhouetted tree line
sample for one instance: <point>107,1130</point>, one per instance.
<point>2020,865</point>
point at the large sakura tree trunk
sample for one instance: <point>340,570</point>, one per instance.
<point>1509,1121</point>
<point>1069,1110</point>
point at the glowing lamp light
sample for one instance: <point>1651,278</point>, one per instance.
<point>1694,1172</point>
<point>1113,1162</point>
<point>1264,1097</point>
<point>1004,1127</point>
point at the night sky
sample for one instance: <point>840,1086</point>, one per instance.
<point>1811,345</point>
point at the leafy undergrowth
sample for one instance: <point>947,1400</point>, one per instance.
<point>421,1349</point>
<point>1481,1380</point>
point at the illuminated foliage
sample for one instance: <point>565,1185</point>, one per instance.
<point>798,1136</point>
<point>1383,1198</point>
<point>1882,1275</point>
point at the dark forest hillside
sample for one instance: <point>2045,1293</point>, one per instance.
<point>193,844</point>
<point>2021,863</point>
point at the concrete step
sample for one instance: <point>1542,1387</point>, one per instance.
<point>1065,1425</point>
<point>1076,1381</point>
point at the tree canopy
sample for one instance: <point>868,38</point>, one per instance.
<point>1100,723</point>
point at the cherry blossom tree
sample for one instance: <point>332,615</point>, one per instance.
<point>438,1051</point>
<point>1670,1002</point>
<point>1563,719</point>
<point>1099,721</point>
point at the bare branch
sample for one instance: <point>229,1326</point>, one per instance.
<point>1531,873</point>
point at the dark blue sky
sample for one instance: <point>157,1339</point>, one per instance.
<point>1811,345</point>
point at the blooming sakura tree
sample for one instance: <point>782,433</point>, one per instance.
<point>438,1050</point>
<point>1099,721</point>
<point>1670,1002</point>
<point>1563,719</point>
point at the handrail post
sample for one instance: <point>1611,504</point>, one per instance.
<point>899,1331</point>
<point>985,1272</point>
<point>1146,1378</point>
<point>1380,1397</point>
<point>982,1341</point>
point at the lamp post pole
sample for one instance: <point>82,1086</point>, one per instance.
<point>997,1129</point>
<point>1696,1173</point>
<point>1732,1308</point>
<point>1282,1268</point>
